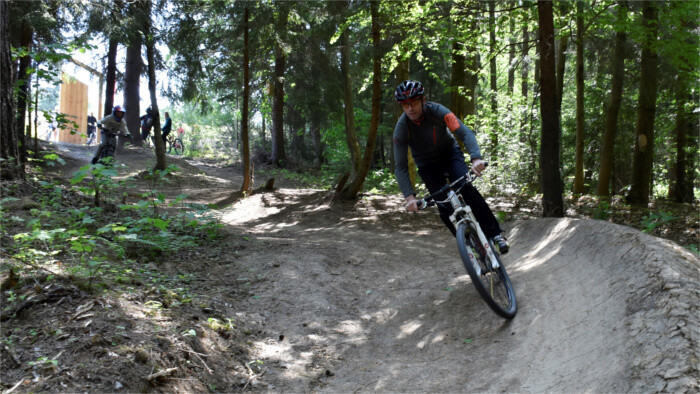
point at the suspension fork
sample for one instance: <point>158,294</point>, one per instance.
<point>464,214</point>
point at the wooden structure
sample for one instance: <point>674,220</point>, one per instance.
<point>101,83</point>
<point>74,104</point>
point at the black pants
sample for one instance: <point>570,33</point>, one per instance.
<point>107,147</point>
<point>452,164</point>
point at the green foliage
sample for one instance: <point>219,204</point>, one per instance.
<point>602,211</point>
<point>101,179</point>
<point>656,219</point>
<point>381,181</point>
<point>323,179</point>
<point>693,248</point>
<point>104,243</point>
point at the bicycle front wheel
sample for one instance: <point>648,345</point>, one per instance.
<point>493,285</point>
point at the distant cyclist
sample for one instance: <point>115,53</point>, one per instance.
<point>146,123</point>
<point>91,128</point>
<point>429,129</point>
<point>111,126</point>
<point>167,127</point>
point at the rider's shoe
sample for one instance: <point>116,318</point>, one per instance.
<point>501,244</point>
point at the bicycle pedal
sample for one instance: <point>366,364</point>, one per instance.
<point>501,244</point>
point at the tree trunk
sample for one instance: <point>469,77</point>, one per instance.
<point>457,81</point>
<point>560,57</point>
<point>403,73</point>
<point>692,158</point>
<point>23,94</point>
<point>511,59</point>
<point>613,110</point>
<point>551,183</point>
<point>9,149</point>
<point>247,175</point>
<point>358,180</point>
<point>111,78</point>
<point>350,130</point>
<point>36,115</point>
<point>472,80</point>
<point>494,129</point>
<point>278,155</point>
<point>262,130</point>
<point>132,81</point>
<point>644,145</point>
<point>580,86</point>
<point>315,132</point>
<point>681,190</point>
<point>524,76</point>
<point>150,53</point>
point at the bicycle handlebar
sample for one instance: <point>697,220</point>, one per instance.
<point>429,201</point>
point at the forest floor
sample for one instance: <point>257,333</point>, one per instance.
<point>304,294</point>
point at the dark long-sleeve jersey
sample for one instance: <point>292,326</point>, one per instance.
<point>429,140</point>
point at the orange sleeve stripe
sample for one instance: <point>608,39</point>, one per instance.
<point>452,121</point>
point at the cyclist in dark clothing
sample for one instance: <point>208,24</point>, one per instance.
<point>91,128</point>
<point>146,123</point>
<point>167,126</point>
<point>424,128</point>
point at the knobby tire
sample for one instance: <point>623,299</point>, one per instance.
<point>177,145</point>
<point>493,285</point>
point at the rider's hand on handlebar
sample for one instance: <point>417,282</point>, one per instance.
<point>478,166</point>
<point>411,203</point>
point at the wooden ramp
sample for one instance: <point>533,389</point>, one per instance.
<point>74,103</point>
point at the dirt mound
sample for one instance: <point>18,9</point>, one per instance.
<point>365,304</point>
<point>605,307</point>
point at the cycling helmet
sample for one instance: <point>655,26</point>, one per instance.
<point>149,110</point>
<point>409,91</point>
<point>118,108</point>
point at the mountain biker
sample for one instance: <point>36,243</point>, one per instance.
<point>91,120</point>
<point>111,126</point>
<point>424,128</point>
<point>167,126</point>
<point>146,123</point>
<point>53,126</point>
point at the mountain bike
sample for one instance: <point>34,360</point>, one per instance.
<point>175,144</point>
<point>172,144</point>
<point>478,253</point>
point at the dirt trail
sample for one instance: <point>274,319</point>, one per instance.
<point>366,298</point>
<point>366,305</point>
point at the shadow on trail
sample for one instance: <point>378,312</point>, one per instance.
<point>367,303</point>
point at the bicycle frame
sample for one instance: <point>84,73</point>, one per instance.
<point>462,213</point>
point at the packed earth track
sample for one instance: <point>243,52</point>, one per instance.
<point>362,297</point>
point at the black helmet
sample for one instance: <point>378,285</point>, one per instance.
<point>149,110</point>
<point>409,91</point>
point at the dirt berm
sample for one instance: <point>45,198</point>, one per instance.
<point>364,297</point>
<point>383,304</point>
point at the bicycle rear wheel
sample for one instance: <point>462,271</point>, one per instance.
<point>175,145</point>
<point>493,285</point>
<point>178,146</point>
